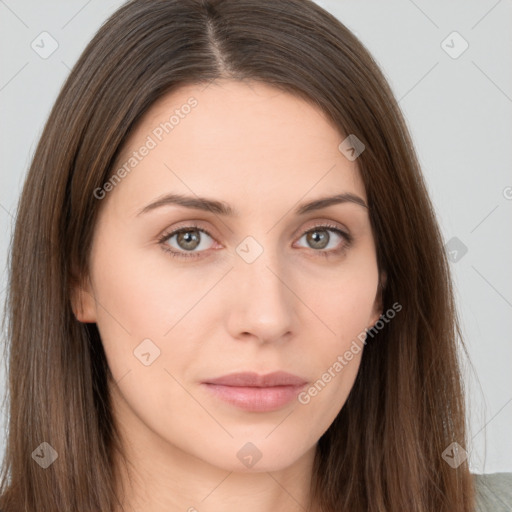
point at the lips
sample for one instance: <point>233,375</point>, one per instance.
<point>256,393</point>
<point>251,379</point>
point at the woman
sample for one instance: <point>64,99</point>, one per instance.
<point>227,284</point>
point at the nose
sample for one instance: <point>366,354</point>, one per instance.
<point>261,303</point>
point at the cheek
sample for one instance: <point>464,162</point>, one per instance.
<point>343,308</point>
<point>337,356</point>
<point>143,297</point>
<point>130,305</point>
<point>343,300</point>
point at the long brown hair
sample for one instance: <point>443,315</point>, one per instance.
<point>384,450</point>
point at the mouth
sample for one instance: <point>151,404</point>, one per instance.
<point>256,393</point>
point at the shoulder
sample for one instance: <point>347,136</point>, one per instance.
<point>493,492</point>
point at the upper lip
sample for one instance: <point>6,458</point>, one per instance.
<point>251,379</point>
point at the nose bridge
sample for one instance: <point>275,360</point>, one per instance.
<point>259,259</point>
<point>262,303</point>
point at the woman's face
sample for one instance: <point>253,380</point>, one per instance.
<point>257,283</point>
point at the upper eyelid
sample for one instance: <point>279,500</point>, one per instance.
<point>197,225</point>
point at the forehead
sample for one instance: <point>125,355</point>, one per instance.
<point>236,141</point>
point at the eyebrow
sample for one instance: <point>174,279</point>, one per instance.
<point>222,208</point>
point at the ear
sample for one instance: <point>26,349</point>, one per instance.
<point>378,305</point>
<point>82,301</point>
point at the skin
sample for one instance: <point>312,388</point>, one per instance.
<point>264,152</point>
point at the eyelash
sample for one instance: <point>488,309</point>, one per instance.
<point>178,254</point>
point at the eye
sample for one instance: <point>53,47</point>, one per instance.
<point>319,239</point>
<point>188,239</point>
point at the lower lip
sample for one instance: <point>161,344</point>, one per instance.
<point>256,399</point>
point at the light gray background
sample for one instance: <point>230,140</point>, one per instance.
<point>459,111</point>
